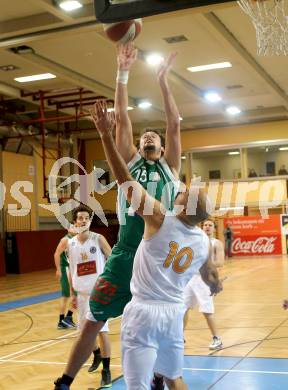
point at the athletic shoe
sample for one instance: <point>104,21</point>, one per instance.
<point>96,361</point>
<point>60,386</point>
<point>216,343</point>
<point>62,325</point>
<point>157,383</point>
<point>106,378</point>
<point>69,322</point>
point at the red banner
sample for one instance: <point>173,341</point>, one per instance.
<point>255,236</point>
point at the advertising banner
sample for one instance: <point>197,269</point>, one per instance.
<point>255,235</point>
<point>284,231</point>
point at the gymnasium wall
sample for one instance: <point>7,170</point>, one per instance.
<point>250,191</point>
<point>2,260</point>
<point>19,167</point>
<point>269,131</point>
<point>227,165</point>
<point>94,151</point>
<point>206,137</point>
<point>51,157</point>
<point>34,251</point>
<point>258,160</point>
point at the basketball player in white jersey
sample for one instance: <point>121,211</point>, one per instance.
<point>197,293</point>
<point>86,253</point>
<point>172,250</point>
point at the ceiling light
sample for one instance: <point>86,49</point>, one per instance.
<point>240,208</point>
<point>8,68</point>
<point>154,59</point>
<point>35,77</point>
<point>183,157</point>
<point>233,110</point>
<point>180,118</point>
<point>202,68</point>
<point>112,109</point>
<point>212,97</point>
<point>70,5</point>
<point>233,153</point>
<point>283,148</point>
<point>144,104</point>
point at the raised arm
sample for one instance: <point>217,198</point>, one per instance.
<point>61,247</point>
<point>127,55</point>
<point>173,141</point>
<point>136,195</point>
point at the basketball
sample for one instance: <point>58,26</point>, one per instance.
<point>123,32</point>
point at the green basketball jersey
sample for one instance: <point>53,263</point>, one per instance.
<point>64,262</point>
<point>157,178</point>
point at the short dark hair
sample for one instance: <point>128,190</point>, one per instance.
<point>79,209</point>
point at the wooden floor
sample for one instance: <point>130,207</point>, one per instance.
<point>250,319</point>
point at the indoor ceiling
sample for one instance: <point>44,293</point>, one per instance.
<point>73,47</point>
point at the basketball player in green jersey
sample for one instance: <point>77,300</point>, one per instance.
<point>154,168</point>
<point>157,170</point>
<point>62,265</point>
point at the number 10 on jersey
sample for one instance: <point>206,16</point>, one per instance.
<point>175,258</point>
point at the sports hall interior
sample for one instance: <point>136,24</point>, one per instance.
<point>233,151</point>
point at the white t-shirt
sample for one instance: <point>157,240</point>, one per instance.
<point>165,263</point>
<point>86,262</point>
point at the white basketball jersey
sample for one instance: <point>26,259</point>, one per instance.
<point>165,263</point>
<point>86,262</point>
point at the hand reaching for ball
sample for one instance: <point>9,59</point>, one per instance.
<point>104,121</point>
<point>127,55</point>
<point>165,66</point>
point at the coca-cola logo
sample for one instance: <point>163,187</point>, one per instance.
<point>259,245</point>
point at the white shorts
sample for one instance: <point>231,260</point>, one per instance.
<point>197,293</point>
<point>151,341</point>
<point>83,311</point>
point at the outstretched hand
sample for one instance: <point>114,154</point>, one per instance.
<point>104,121</point>
<point>127,55</point>
<point>165,66</point>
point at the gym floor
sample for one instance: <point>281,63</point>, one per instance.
<point>250,319</point>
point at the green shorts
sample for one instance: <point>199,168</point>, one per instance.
<point>111,292</point>
<point>64,282</point>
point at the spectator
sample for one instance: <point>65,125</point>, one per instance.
<point>283,170</point>
<point>228,236</point>
<point>252,173</point>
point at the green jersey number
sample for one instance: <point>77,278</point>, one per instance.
<point>141,175</point>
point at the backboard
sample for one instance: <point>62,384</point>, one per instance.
<point>110,11</point>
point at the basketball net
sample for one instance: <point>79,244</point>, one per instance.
<point>270,19</point>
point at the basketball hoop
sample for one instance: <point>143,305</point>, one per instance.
<point>270,19</point>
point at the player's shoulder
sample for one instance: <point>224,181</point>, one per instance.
<point>69,240</point>
<point>136,159</point>
<point>202,237</point>
<point>64,240</point>
<point>94,236</point>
